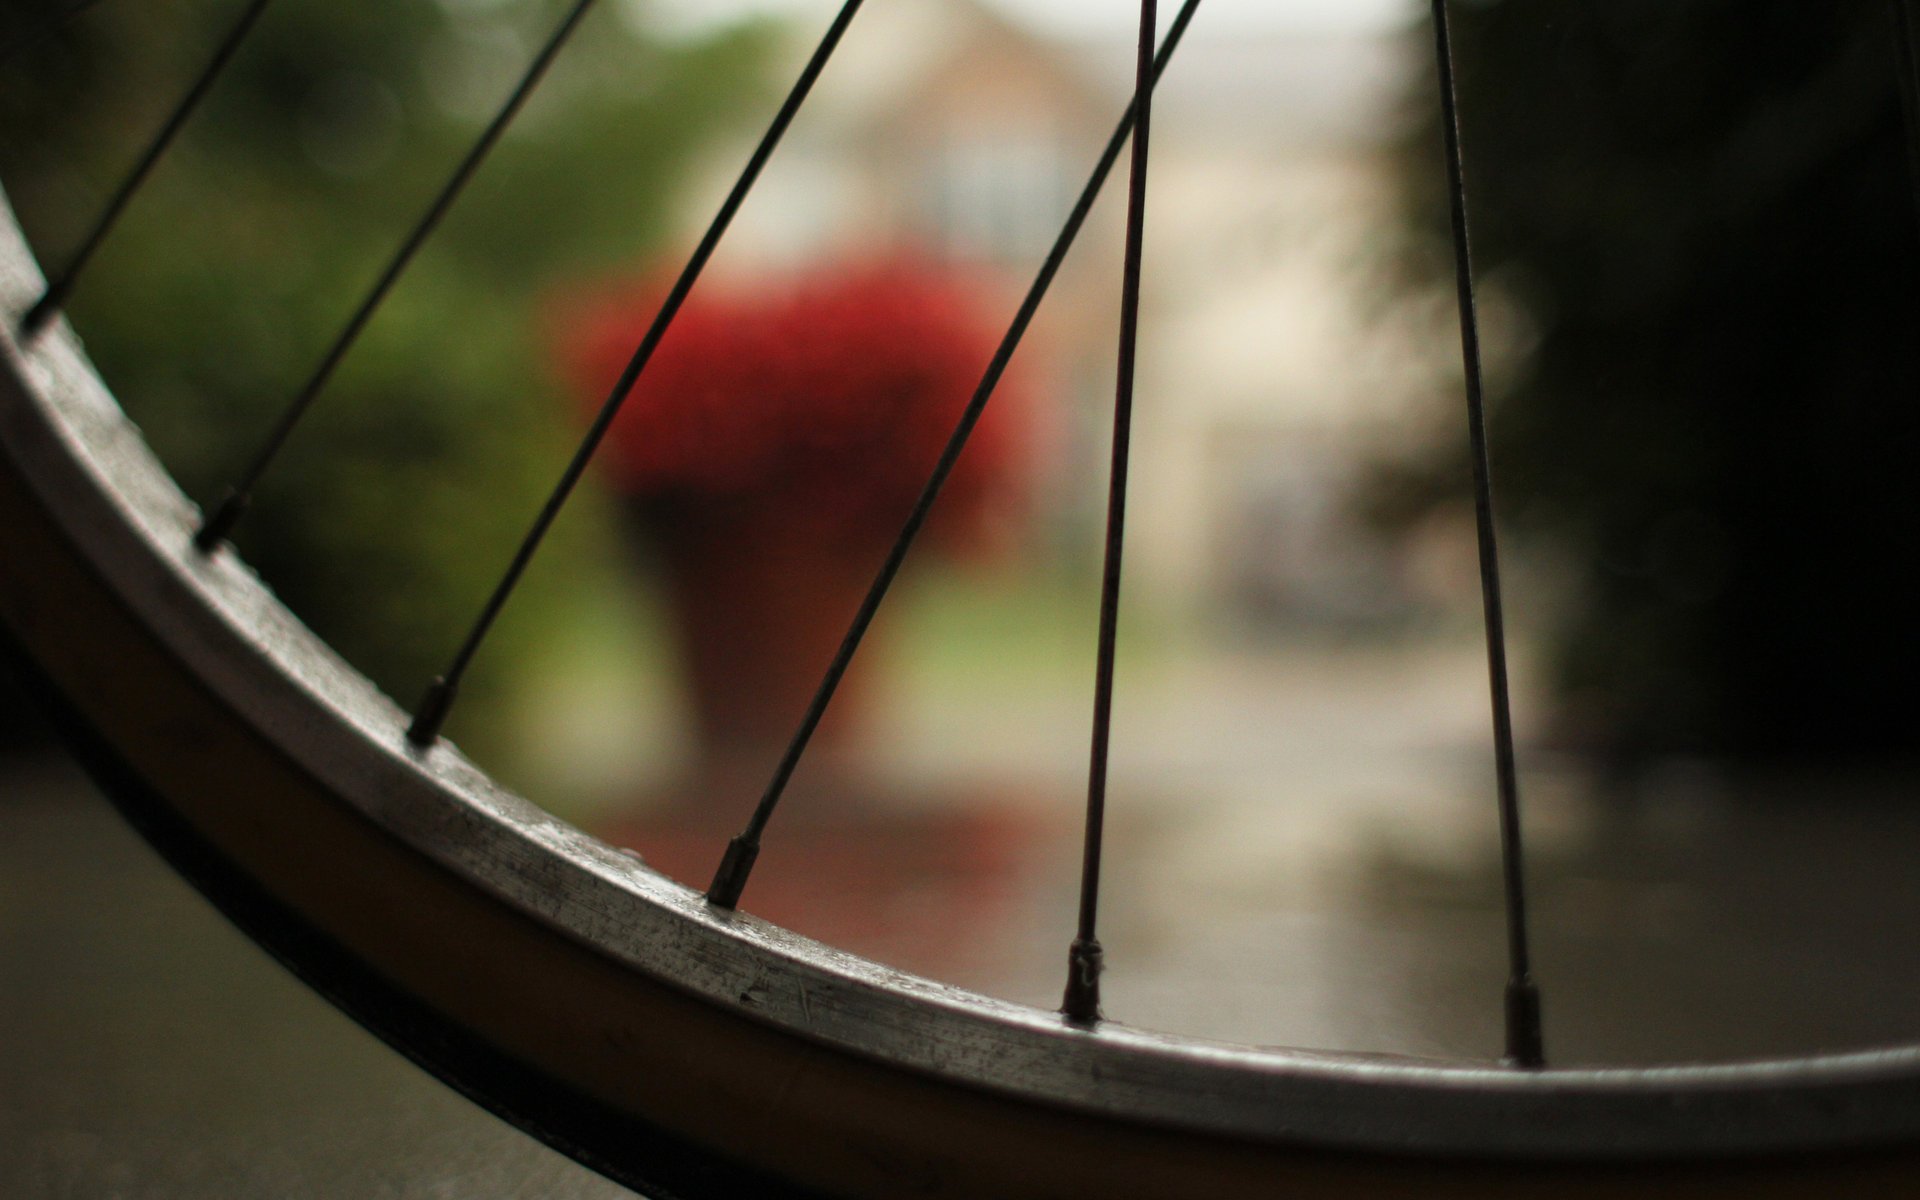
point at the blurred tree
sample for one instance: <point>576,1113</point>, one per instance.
<point>398,501</point>
<point>1705,213</point>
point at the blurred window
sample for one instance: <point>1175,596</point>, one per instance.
<point>995,195</point>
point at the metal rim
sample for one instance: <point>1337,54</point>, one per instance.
<point>127,530</point>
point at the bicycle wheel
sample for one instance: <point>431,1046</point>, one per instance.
<point>691,1050</point>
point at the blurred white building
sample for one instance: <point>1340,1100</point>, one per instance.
<point>1277,358</point>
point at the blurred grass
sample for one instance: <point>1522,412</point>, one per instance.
<point>602,722</point>
<point>391,511</point>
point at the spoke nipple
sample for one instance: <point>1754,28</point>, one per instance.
<point>1085,961</point>
<point>1525,1048</point>
<point>731,879</point>
<point>215,528</point>
<point>42,311</point>
<point>432,713</point>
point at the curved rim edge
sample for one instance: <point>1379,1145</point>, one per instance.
<point>86,460</point>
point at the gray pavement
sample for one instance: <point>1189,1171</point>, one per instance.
<point>149,1051</point>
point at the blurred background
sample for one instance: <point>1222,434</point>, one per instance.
<point>1696,237</point>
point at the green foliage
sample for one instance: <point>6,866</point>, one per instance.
<point>1705,208</point>
<point>397,503</point>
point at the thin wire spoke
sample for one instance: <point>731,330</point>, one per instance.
<point>233,504</point>
<point>1524,1041</point>
<point>438,701</point>
<point>62,286</point>
<point>34,33</point>
<point>1085,959</point>
<point>1906,49</point>
<point>730,879</point>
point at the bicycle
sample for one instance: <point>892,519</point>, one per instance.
<point>681,1046</point>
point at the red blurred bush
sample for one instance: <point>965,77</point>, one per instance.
<point>815,407</point>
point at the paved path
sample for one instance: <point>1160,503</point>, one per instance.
<point>148,1051</point>
<point>1307,865</point>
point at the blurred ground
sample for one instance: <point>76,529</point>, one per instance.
<point>1300,854</point>
<point>151,1051</point>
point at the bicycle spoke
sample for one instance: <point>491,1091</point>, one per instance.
<point>1524,1042</point>
<point>438,701</point>
<point>233,504</point>
<point>1085,959</point>
<point>730,879</point>
<point>34,33</point>
<point>55,297</point>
